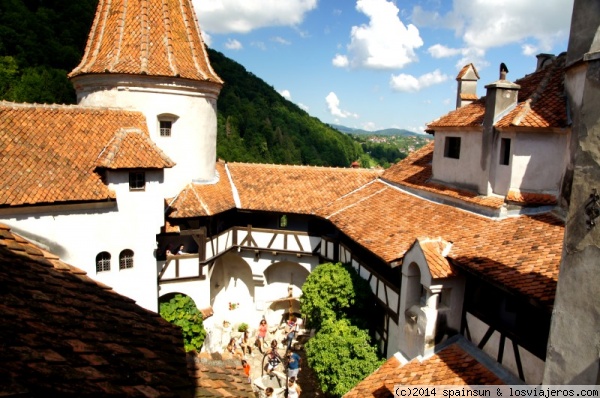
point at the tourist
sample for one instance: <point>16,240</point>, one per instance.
<point>246,367</point>
<point>261,334</point>
<point>180,250</point>
<point>245,343</point>
<point>290,329</point>
<point>233,349</point>
<point>269,392</point>
<point>294,362</point>
<point>293,389</point>
<point>273,358</point>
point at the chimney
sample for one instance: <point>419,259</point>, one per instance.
<point>501,98</point>
<point>544,60</point>
<point>466,91</point>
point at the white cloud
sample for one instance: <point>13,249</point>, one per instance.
<point>341,61</point>
<point>369,126</point>
<point>488,24</point>
<point>286,94</point>
<point>333,104</point>
<point>233,44</point>
<point>281,40</point>
<point>411,84</point>
<point>206,38</point>
<point>441,51</point>
<point>385,43</point>
<point>259,44</point>
<point>302,106</point>
<point>528,49</point>
<point>243,16</point>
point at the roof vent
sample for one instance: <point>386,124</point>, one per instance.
<point>544,60</point>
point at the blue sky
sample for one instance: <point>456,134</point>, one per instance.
<point>376,64</point>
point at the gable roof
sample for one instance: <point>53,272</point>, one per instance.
<point>147,38</point>
<point>541,103</point>
<point>49,153</point>
<point>450,366</point>
<point>435,252</point>
<point>521,253</point>
<point>64,334</point>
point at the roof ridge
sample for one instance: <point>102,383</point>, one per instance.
<point>4,103</point>
<point>190,37</point>
<point>144,39</point>
<point>169,44</point>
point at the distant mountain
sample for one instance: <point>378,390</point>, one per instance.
<point>390,131</point>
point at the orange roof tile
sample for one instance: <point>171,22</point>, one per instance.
<point>522,253</point>
<point>415,172</point>
<point>197,200</point>
<point>219,378</point>
<point>465,69</point>
<point>450,366</point>
<point>531,198</point>
<point>296,189</point>
<point>148,38</point>
<point>438,264</point>
<point>541,103</point>
<point>49,153</point>
<point>132,148</point>
<point>65,335</point>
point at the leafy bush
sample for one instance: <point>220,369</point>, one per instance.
<point>182,311</point>
<point>334,291</point>
<point>243,327</point>
<point>341,356</point>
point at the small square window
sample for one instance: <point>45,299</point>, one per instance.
<point>165,128</point>
<point>452,147</point>
<point>137,181</point>
<point>505,151</point>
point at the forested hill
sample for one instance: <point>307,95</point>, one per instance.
<point>256,124</point>
<point>41,41</point>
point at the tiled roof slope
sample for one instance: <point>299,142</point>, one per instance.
<point>541,103</point>
<point>415,172</point>
<point>433,250</point>
<point>450,366</point>
<point>198,200</point>
<point>219,378</point>
<point>62,334</point>
<point>132,148</point>
<point>521,253</point>
<point>48,153</point>
<point>296,189</point>
<point>148,37</point>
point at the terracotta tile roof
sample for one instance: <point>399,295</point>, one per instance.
<point>65,335</point>
<point>147,37</point>
<point>530,198</point>
<point>434,249</point>
<point>197,200</point>
<point>541,103</point>
<point>465,69</point>
<point>49,153</point>
<point>450,366</point>
<point>296,189</point>
<point>467,96</point>
<point>521,253</point>
<point>132,148</point>
<point>219,378</point>
<point>415,172</point>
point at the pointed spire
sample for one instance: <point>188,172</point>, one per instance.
<point>147,37</point>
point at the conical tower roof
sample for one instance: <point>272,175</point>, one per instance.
<point>147,37</point>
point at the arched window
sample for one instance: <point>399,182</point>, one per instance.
<point>126,259</point>
<point>103,262</point>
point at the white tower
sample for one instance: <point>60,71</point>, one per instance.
<point>149,56</point>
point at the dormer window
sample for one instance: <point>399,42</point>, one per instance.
<point>137,181</point>
<point>452,147</point>
<point>166,121</point>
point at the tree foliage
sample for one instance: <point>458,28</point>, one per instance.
<point>334,291</point>
<point>341,356</point>
<point>182,311</point>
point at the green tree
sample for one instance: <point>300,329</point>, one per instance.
<point>341,356</point>
<point>182,311</point>
<point>327,291</point>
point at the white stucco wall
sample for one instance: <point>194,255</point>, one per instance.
<point>465,171</point>
<point>77,236</point>
<point>192,144</point>
<point>538,161</point>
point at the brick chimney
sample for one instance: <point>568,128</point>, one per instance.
<point>501,98</point>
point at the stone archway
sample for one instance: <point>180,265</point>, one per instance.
<point>231,286</point>
<point>283,289</point>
